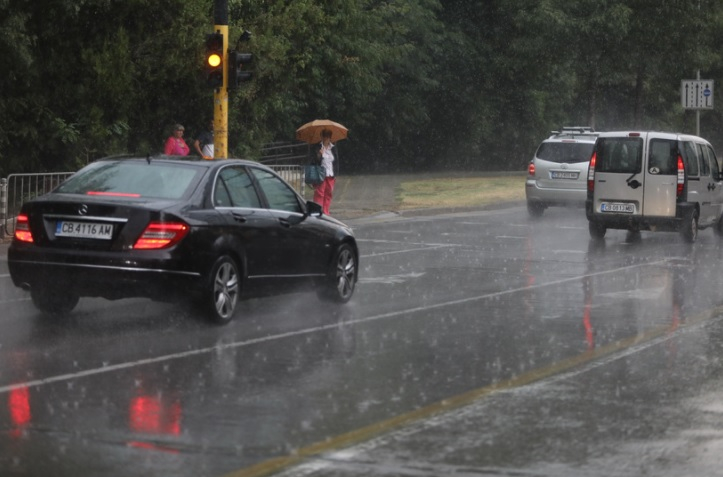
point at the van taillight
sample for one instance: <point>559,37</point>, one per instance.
<point>22,229</point>
<point>161,235</point>
<point>531,169</point>
<point>681,177</point>
<point>591,172</point>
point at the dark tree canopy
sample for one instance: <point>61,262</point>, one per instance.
<point>457,84</point>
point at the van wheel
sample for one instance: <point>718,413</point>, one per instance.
<point>718,227</point>
<point>690,227</point>
<point>535,209</point>
<point>597,231</point>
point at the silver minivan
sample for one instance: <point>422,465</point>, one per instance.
<point>653,181</point>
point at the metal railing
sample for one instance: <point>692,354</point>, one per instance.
<point>19,188</point>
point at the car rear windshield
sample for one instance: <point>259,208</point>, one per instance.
<point>133,179</point>
<point>619,154</point>
<point>565,152</point>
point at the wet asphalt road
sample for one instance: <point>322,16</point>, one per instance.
<point>481,343</point>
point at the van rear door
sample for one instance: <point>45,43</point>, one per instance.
<point>618,180</point>
<point>661,176</point>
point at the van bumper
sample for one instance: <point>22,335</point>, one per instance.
<point>641,222</point>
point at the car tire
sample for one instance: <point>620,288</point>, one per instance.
<point>535,209</point>
<point>338,286</point>
<point>223,290</point>
<point>53,301</point>
<point>597,231</point>
<point>690,227</point>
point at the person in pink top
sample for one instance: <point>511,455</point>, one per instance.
<point>175,145</point>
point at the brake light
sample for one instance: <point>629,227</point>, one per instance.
<point>634,134</point>
<point>531,169</point>
<point>681,177</point>
<point>591,172</point>
<point>161,235</point>
<point>22,229</point>
<point>112,194</point>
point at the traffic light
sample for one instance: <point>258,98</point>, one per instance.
<point>236,74</point>
<point>214,60</point>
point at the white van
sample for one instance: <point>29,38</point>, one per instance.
<point>653,181</point>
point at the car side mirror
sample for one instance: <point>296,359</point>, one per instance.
<point>312,208</point>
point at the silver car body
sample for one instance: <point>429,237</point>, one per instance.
<point>557,174</point>
<point>654,181</point>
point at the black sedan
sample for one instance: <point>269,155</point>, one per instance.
<point>167,228</point>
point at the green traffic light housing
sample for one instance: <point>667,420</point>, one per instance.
<point>236,72</point>
<point>214,60</point>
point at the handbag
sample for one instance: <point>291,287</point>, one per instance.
<point>314,174</point>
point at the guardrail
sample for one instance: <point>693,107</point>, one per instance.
<point>18,188</point>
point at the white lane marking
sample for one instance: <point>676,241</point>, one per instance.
<point>391,278</point>
<point>265,339</point>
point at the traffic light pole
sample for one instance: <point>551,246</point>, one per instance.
<point>220,95</point>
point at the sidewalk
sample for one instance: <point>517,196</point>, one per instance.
<point>375,196</point>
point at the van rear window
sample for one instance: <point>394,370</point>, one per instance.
<point>619,154</point>
<point>565,152</point>
<point>663,158</point>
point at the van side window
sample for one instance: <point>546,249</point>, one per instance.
<point>690,156</point>
<point>704,161</point>
<point>619,154</point>
<point>715,169</point>
<point>663,158</point>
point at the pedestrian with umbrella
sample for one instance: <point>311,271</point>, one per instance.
<point>323,151</point>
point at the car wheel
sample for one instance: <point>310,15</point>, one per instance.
<point>338,286</point>
<point>223,290</point>
<point>597,231</point>
<point>690,227</point>
<point>535,209</point>
<point>53,301</point>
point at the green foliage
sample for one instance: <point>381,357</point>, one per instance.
<point>420,83</point>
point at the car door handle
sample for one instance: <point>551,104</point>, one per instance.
<point>239,218</point>
<point>285,222</point>
<point>711,186</point>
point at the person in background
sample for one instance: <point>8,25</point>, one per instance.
<point>204,143</point>
<point>326,154</point>
<point>175,145</point>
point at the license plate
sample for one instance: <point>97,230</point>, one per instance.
<point>64,228</point>
<point>617,207</point>
<point>564,175</point>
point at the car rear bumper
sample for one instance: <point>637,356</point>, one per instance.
<point>554,196</point>
<point>640,222</point>
<point>121,277</point>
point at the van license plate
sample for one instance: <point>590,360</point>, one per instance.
<point>564,175</point>
<point>64,228</point>
<point>617,207</point>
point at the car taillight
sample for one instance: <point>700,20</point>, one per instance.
<point>531,169</point>
<point>22,229</point>
<point>681,177</point>
<point>591,173</point>
<point>161,235</point>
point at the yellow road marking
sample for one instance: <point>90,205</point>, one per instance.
<point>373,430</point>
